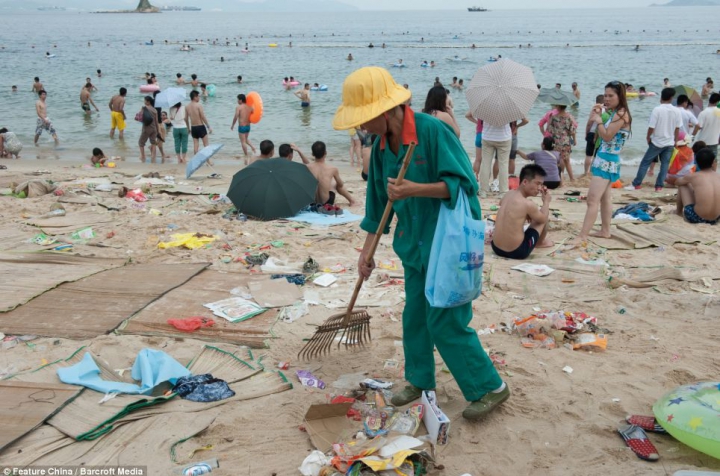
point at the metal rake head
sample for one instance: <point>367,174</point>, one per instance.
<point>353,328</point>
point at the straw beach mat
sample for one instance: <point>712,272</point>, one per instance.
<point>188,299</point>
<point>97,304</point>
<point>637,236</point>
<point>24,406</point>
<point>24,276</point>
<point>150,441</point>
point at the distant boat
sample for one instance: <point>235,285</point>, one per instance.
<point>477,9</point>
<point>44,9</point>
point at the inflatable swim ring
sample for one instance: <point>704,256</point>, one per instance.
<point>690,414</point>
<point>273,45</point>
<point>254,100</point>
<point>424,65</point>
<point>149,88</point>
<point>50,56</point>
<point>211,90</point>
<point>322,87</point>
<point>398,65</point>
<point>291,83</point>
<point>244,51</point>
<point>632,95</point>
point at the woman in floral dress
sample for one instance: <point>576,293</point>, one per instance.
<point>562,128</point>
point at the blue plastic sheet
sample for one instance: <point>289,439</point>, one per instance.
<point>454,275</point>
<point>151,368</point>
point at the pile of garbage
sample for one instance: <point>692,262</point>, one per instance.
<point>361,433</point>
<point>551,329</point>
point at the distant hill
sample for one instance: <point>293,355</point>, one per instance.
<point>689,3</point>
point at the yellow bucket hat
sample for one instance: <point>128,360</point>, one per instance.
<point>367,93</point>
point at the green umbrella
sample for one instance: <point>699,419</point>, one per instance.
<point>272,188</point>
<point>696,101</point>
<point>557,97</point>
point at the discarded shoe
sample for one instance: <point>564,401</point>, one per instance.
<point>409,394</point>
<point>480,408</point>
<point>637,440</point>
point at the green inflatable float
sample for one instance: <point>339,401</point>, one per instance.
<point>691,414</point>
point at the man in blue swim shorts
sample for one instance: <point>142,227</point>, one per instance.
<point>516,209</point>
<point>698,198</point>
<point>304,95</point>
<point>242,118</point>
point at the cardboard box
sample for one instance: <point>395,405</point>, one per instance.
<point>328,424</point>
<point>436,422</point>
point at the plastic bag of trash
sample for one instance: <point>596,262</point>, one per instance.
<point>454,275</point>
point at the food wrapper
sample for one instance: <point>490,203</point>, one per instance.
<point>590,342</point>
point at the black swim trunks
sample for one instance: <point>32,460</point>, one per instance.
<point>198,132</point>
<point>364,176</point>
<point>523,251</point>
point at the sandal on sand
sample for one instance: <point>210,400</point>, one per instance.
<point>655,211</point>
<point>3,167</point>
<point>638,442</point>
<point>572,193</point>
<point>647,423</point>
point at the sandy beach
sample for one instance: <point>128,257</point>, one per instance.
<point>555,423</point>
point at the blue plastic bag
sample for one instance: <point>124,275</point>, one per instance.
<point>454,275</point>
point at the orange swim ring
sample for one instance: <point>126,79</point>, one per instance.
<point>254,100</point>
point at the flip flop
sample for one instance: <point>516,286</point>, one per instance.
<point>572,193</point>
<point>647,423</point>
<point>655,211</point>
<point>3,167</point>
<point>637,441</point>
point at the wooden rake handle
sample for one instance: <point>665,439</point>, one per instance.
<point>381,228</point>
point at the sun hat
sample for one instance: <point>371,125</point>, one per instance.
<point>367,93</point>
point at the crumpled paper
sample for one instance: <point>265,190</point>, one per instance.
<point>314,462</point>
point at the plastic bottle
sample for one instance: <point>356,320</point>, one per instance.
<point>198,469</point>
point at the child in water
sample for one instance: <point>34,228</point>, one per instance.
<point>98,157</point>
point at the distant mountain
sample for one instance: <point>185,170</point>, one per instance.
<point>207,5</point>
<point>689,3</point>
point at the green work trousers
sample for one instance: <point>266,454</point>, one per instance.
<point>426,327</point>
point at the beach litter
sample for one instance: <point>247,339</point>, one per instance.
<point>190,241</point>
<point>366,435</point>
<point>550,329</point>
<point>539,270</point>
<point>307,379</point>
<point>235,309</point>
<point>190,324</point>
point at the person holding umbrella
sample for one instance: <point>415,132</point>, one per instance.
<point>438,172</point>
<point>613,132</point>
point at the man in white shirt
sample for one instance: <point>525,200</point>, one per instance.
<point>495,140</point>
<point>663,129</point>
<point>688,118</point>
<point>708,126</point>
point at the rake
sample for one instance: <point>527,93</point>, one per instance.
<point>352,326</point>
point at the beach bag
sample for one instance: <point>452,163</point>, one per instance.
<point>147,117</point>
<point>454,275</point>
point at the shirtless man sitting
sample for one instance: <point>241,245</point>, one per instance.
<point>698,198</point>
<point>329,181</point>
<point>509,239</point>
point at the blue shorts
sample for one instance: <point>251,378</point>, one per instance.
<point>692,217</point>
<point>304,104</point>
<point>478,140</point>
<point>244,129</point>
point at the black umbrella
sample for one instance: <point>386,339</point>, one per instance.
<point>272,188</point>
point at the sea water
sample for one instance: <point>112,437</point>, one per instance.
<point>601,49</point>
